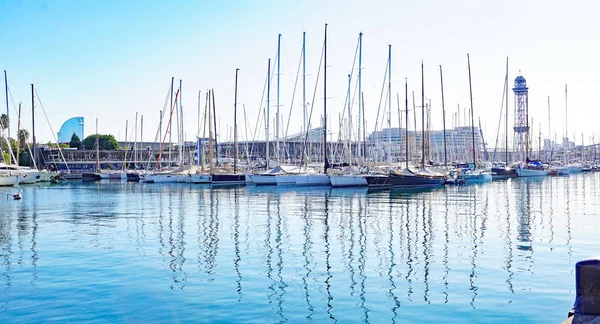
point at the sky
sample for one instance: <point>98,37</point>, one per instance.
<point>110,59</point>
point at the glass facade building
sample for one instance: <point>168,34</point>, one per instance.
<point>72,125</point>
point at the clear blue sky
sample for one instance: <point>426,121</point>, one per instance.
<point>111,59</point>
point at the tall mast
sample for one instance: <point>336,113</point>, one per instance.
<point>170,128</point>
<point>235,141</point>
<point>444,119</point>
<point>97,148</point>
<point>18,131</point>
<point>206,96</point>
<point>278,77</point>
<point>126,144</point>
<point>326,165</point>
<point>390,106</point>
<point>210,134</point>
<point>506,122</point>
<point>304,78</point>
<point>550,131</point>
<point>135,130</point>
<point>215,127</point>
<point>422,117</point>
<point>198,140</point>
<point>359,91</point>
<point>406,117</point>
<point>141,137</point>
<point>566,129</point>
<point>349,128</point>
<point>33,127</point>
<point>268,110</point>
<point>471,98</point>
<point>7,112</point>
<point>180,126</point>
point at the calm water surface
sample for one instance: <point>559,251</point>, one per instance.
<point>501,252</point>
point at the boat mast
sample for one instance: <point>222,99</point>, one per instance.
<point>141,137</point>
<point>566,130</point>
<point>278,77</point>
<point>349,126</point>
<point>18,131</point>
<point>268,110</point>
<point>215,121</point>
<point>7,112</point>
<point>198,140</point>
<point>326,162</point>
<point>506,122</point>
<point>550,132</point>
<point>472,119</point>
<point>210,133</point>
<point>444,119</point>
<point>390,106</point>
<point>170,128</point>
<point>406,117</point>
<point>206,96</point>
<point>304,78</point>
<point>135,141</point>
<point>359,93</point>
<point>180,126</point>
<point>235,140</point>
<point>422,117</point>
<point>126,144</point>
<point>33,127</point>
<point>97,148</point>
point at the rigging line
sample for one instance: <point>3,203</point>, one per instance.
<point>19,120</point>
<point>500,121</point>
<point>52,130</point>
<point>312,105</point>
<point>260,109</point>
<point>293,95</point>
<point>346,103</point>
<point>381,97</point>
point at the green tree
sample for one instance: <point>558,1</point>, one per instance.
<point>23,137</point>
<point>53,145</point>
<point>75,142</point>
<point>4,121</point>
<point>106,142</point>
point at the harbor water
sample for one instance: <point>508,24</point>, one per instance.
<point>115,252</point>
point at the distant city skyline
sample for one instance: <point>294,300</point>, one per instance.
<point>111,59</point>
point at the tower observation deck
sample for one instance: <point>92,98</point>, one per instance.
<point>521,126</point>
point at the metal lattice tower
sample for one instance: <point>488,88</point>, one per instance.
<point>521,127</point>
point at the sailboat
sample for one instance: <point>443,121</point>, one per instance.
<point>320,179</point>
<point>406,178</point>
<point>352,177</point>
<point>502,171</point>
<point>219,175</point>
<point>474,174</point>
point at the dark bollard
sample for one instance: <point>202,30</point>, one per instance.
<point>587,283</point>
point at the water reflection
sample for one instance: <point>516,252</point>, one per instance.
<point>306,254</point>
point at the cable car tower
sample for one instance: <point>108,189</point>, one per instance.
<point>521,127</point>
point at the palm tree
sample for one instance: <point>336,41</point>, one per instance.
<point>23,137</point>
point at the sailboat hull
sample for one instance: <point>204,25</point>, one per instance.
<point>476,177</point>
<point>313,180</point>
<point>378,181</point>
<point>338,181</point>
<point>416,181</point>
<point>228,179</point>
<point>532,172</point>
<point>263,179</point>
<point>6,181</point>
<point>200,178</point>
<point>501,173</point>
<point>285,179</point>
